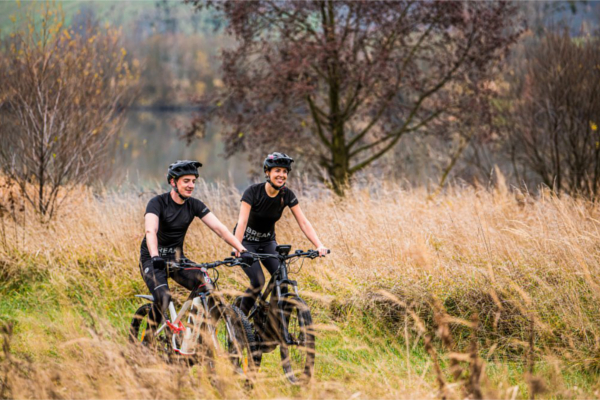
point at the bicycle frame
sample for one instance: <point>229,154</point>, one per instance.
<point>200,298</point>
<point>278,280</point>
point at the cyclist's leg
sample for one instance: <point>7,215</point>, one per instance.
<point>191,279</point>
<point>271,264</point>
<point>156,281</point>
<point>255,273</point>
<point>188,278</point>
<point>256,277</point>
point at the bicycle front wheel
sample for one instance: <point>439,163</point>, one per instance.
<point>298,356</point>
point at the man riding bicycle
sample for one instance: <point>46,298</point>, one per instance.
<point>167,219</point>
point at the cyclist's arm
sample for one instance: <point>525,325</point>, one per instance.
<point>308,229</point>
<point>242,220</point>
<point>217,227</point>
<point>151,222</point>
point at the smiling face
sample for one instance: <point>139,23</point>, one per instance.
<point>185,185</point>
<point>278,175</point>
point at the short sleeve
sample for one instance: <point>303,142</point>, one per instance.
<point>248,195</point>
<point>200,209</point>
<point>154,207</point>
<point>290,198</point>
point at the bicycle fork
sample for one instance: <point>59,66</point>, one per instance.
<point>280,307</point>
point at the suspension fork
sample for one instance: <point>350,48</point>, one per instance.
<point>281,300</point>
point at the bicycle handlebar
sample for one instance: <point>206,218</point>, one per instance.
<point>312,254</point>
<point>234,261</point>
<point>230,262</point>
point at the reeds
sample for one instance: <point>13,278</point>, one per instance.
<point>474,293</point>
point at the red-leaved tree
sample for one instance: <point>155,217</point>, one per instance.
<point>340,82</point>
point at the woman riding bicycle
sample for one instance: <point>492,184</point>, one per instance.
<point>167,219</point>
<point>262,205</point>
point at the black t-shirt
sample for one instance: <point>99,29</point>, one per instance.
<point>265,211</point>
<point>173,222</point>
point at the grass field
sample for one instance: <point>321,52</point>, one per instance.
<point>471,293</point>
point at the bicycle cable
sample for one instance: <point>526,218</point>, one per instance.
<point>215,277</point>
<point>294,261</point>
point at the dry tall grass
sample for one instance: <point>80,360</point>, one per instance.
<point>395,301</point>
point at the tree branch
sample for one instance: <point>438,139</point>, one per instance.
<point>385,104</point>
<point>301,22</point>
<point>314,111</point>
<point>428,93</point>
<point>391,135</point>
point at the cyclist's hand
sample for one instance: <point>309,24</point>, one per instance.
<point>237,253</point>
<point>322,251</point>
<point>247,259</point>
<point>158,263</point>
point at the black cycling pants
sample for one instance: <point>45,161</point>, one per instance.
<point>156,280</point>
<point>255,272</point>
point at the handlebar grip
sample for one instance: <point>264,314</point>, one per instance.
<point>310,251</point>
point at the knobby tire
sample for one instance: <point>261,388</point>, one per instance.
<point>298,360</point>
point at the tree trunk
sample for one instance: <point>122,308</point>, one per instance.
<point>42,181</point>
<point>339,168</point>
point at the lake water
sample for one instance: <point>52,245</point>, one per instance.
<point>149,142</point>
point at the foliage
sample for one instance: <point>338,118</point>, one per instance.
<point>551,113</point>
<point>62,96</point>
<point>341,82</point>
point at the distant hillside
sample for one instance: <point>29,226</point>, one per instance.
<point>136,17</point>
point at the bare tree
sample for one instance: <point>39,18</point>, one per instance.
<point>551,119</point>
<point>344,81</point>
<point>62,98</point>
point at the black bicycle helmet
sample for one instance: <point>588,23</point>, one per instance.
<point>278,160</point>
<point>181,168</point>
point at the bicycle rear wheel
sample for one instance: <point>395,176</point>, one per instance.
<point>298,358</point>
<point>143,332</point>
<point>235,338</point>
